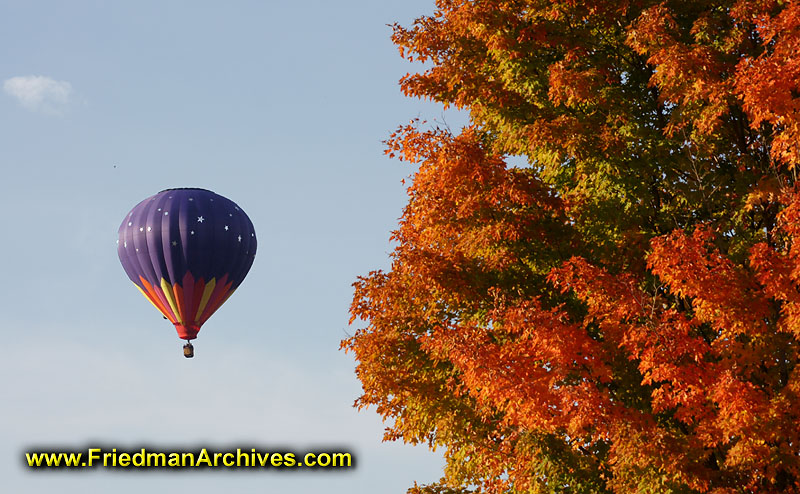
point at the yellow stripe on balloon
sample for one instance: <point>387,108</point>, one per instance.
<point>148,298</point>
<point>206,295</point>
<point>167,289</point>
<point>178,293</point>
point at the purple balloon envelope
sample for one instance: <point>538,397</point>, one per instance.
<point>187,250</point>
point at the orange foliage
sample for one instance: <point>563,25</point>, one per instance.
<point>623,315</point>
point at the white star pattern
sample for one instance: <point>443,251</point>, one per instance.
<point>167,231</point>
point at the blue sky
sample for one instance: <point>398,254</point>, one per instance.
<point>280,106</point>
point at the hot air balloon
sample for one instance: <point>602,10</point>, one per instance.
<point>187,250</point>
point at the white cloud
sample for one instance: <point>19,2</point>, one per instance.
<point>39,93</point>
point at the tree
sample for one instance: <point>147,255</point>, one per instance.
<point>622,314</point>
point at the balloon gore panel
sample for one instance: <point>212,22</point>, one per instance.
<point>187,250</point>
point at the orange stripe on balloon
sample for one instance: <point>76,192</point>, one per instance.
<point>152,294</point>
<point>177,291</point>
<point>166,309</point>
<point>148,297</point>
<point>220,292</point>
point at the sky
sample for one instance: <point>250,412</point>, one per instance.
<point>281,107</point>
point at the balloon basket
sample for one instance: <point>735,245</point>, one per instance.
<point>188,350</point>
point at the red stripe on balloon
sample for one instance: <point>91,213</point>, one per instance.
<point>154,298</point>
<point>177,291</point>
<point>197,296</point>
<point>164,303</point>
<point>215,300</point>
<point>188,294</point>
